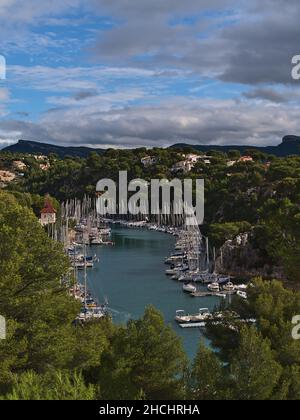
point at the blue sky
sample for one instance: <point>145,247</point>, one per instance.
<point>127,73</point>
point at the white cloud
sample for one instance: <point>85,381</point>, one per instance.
<point>192,121</point>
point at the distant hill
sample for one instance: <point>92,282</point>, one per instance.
<point>290,146</point>
<point>35,148</point>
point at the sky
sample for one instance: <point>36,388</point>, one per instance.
<point>135,73</point>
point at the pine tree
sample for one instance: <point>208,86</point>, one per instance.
<point>253,367</point>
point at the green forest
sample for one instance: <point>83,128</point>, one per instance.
<point>46,356</point>
<point>260,197</point>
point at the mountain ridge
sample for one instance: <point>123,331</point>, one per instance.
<point>290,146</point>
<point>34,147</point>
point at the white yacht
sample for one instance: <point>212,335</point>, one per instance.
<point>241,287</point>
<point>229,287</point>
<point>96,241</point>
<point>242,295</point>
<point>189,288</point>
<point>203,315</point>
<point>177,269</point>
<point>214,287</point>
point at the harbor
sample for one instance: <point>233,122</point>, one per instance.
<point>131,276</point>
<point>164,264</point>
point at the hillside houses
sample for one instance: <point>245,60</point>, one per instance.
<point>44,166</point>
<point>19,165</point>
<point>182,166</point>
<point>148,161</point>
<point>40,157</point>
<point>189,162</point>
<point>243,159</point>
<point>6,177</point>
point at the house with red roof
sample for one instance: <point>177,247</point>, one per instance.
<point>48,213</point>
<point>245,159</point>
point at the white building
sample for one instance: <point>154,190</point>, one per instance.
<point>183,166</point>
<point>148,161</point>
<point>193,158</point>
<point>19,165</point>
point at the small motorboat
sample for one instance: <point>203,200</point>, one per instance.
<point>173,271</point>
<point>229,287</point>
<point>189,288</point>
<point>177,269</point>
<point>242,287</point>
<point>242,294</point>
<point>214,287</point>
<point>183,318</point>
<point>96,241</point>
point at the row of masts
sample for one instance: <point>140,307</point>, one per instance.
<point>74,210</point>
<point>87,207</point>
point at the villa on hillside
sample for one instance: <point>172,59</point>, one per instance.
<point>44,166</point>
<point>40,157</point>
<point>148,161</point>
<point>6,177</point>
<point>243,159</point>
<point>182,166</point>
<point>19,165</point>
<point>246,159</point>
<point>189,162</point>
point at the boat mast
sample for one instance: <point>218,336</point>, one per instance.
<point>207,253</point>
<point>214,251</point>
<point>75,270</point>
<point>85,278</point>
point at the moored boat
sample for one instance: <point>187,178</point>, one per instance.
<point>242,294</point>
<point>189,288</point>
<point>203,315</point>
<point>213,287</point>
<point>229,287</point>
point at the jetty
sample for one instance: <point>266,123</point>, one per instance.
<point>203,294</point>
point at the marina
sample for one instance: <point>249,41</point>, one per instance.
<point>110,258</point>
<point>131,275</point>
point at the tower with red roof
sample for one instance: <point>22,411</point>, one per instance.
<point>48,213</point>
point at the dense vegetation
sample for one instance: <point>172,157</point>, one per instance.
<point>260,197</point>
<point>47,356</point>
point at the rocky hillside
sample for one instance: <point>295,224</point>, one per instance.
<point>240,259</point>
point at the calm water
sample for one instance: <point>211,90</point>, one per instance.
<point>131,275</point>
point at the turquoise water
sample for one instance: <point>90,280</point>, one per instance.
<point>131,275</point>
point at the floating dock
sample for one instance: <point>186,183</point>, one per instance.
<point>193,325</point>
<point>208,294</point>
<point>214,322</point>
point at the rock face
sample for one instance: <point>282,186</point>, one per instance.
<point>240,259</point>
<point>291,145</point>
<point>291,140</point>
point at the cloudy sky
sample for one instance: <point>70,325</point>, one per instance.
<point>127,73</point>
